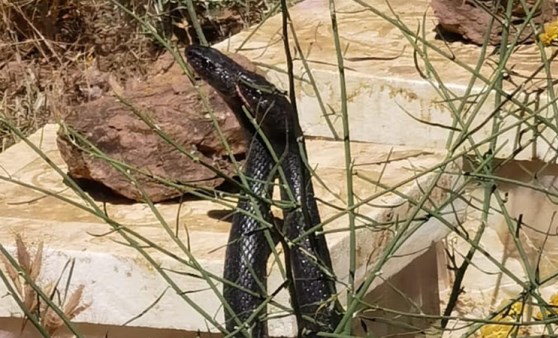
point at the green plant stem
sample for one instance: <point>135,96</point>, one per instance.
<point>348,163</point>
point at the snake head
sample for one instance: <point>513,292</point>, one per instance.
<point>224,74</point>
<point>217,69</point>
<point>242,88</point>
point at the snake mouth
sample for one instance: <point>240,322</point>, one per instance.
<point>217,69</point>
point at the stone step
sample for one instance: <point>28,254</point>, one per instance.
<point>387,97</point>
<point>120,284</point>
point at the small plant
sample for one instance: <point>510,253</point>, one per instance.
<point>24,278</point>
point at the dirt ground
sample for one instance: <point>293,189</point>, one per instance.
<point>55,54</point>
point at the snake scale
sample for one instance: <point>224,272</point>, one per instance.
<point>263,110</point>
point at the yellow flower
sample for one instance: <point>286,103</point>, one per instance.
<point>550,33</point>
<point>539,315</point>
<point>553,302</point>
<point>516,310</point>
<point>545,39</point>
<point>512,314</point>
<point>496,330</point>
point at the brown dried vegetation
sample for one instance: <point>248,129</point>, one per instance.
<point>30,266</point>
<point>59,53</point>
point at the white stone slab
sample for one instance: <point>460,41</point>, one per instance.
<point>120,283</point>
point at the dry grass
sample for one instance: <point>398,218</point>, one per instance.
<point>59,53</point>
<point>30,266</point>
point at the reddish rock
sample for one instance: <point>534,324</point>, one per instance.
<point>471,19</point>
<point>170,101</point>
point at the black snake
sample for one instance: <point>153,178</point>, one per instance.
<point>263,110</point>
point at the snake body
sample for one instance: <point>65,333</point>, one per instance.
<point>262,110</point>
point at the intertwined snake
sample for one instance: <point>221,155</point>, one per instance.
<point>276,149</point>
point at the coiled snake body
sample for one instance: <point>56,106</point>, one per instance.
<point>263,110</point>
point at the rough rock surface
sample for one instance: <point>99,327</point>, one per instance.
<point>471,19</point>
<point>168,100</point>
